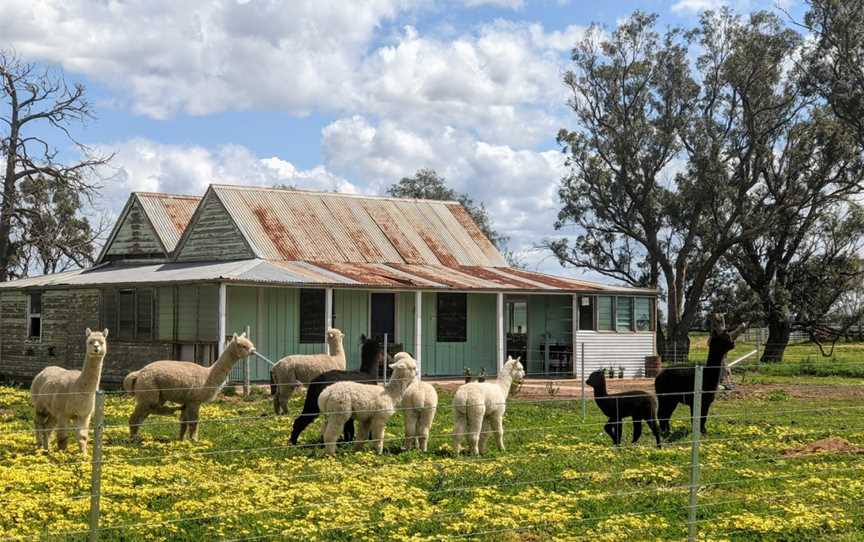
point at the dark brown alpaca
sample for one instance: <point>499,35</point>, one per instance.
<point>677,384</point>
<point>636,404</point>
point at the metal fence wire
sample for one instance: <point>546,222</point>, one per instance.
<point>714,501</point>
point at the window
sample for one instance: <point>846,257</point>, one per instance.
<point>452,318</point>
<point>312,316</point>
<point>624,314</point>
<point>586,313</point>
<point>129,313</point>
<point>34,315</point>
<point>604,313</point>
<point>644,315</point>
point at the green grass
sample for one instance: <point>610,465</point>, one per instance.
<point>559,478</point>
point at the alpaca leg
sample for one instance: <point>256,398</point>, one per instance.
<point>348,432</point>
<point>41,420</point>
<point>498,422</point>
<point>378,426</point>
<point>62,429</point>
<point>459,427</point>
<point>136,420</point>
<point>81,430</point>
<point>637,429</point>
<point>665,407</point>
<point>485,429</point>
<point>411,419</point>
<point>475,425</point>
<point>193,421</point>
<point>364,427</point>
<point>706,406</point>
<point>610,430</point>
<point>331,433</point>
<point>424,426</point>
<point>652,424</point>
<point>184,422</point>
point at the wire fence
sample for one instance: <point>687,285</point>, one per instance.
<point>782,460</point>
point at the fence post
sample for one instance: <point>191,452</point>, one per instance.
<point>582,381</point>
<point>247,387</point>
<point>385,359</point>
<point>696,433</point>
<point>96,467</point>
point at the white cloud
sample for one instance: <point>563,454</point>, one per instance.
<point>696,6</point>
<point>509,4</point>
<point>144,165</point>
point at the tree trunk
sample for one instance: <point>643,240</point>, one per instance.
<point>8,204</point>
<point>674,348</point>
<point>779,330</point>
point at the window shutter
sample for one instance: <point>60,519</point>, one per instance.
<point>312,316</point>
<point>452,320</point>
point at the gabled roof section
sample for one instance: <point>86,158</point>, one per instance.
<point>296,225</point>
<point>149,226</point>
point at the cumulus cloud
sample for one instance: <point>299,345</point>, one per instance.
<point>696,6</point>
<point>145,165</point>
<point>510,4</point>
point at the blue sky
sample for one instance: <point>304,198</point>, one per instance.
<point>329,95</point>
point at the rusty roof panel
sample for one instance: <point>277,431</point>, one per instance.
<point>461,244</point>
<point>169,214</point>
<point>554,282</point>
<point>361,231</point>
<point>493,256</point>
<point>496,276</point>
<point>429,233</point>
<point>390,226</point>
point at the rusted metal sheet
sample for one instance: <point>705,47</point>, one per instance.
<point>169,214</point>
<point>461,244</point>
<point>364,230</point>
<point>495,276</point>
<point>430,233</point>
<point>494,258</point>
<point>555,282</point>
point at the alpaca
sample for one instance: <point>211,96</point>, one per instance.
<point>182,382</point>
<point>478,408</point>
<point>675,385</point>
<point>371,357</point>
<point>636,404</point>
<point>65,399</point>
<point>370,404</point>
<point>291,372</point>
<point>419,403</point>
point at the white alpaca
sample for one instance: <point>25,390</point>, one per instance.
<point>419,403</point>
<point>64,399</point>
<point>478,408</point>
<point>369,404</point>
<point>297,370</point>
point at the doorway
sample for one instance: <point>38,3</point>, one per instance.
<point>382,316</point>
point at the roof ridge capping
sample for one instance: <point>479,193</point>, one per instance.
<point>325,193</point>
<point>166,195</point>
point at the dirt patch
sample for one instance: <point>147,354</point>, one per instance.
<point>570,388</point>
<point>826,445</point>
<point>799,391</point>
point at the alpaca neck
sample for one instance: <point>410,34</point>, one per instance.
<point>711,375</point>
<point>600,389</point>
<point>91,372</point>
<point>395,389</point>
<point>370,366</point>
<point>336,349</point>
<point>218,372</point>
<point>504,382</point>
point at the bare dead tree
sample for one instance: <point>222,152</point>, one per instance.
<point>32,96</point>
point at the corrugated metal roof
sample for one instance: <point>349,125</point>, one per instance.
<point>295,225</point>
<point>169,214</point>
<point>301,273</point>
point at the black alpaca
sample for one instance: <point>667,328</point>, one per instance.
<point>677,384</point>
<point>636,404</point>
<point>371,355</point>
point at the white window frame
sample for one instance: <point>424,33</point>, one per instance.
<point>31,315</point>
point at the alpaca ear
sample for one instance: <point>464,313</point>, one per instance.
<point>234,337</point>
<point>243,334</point>
<point>87,332</point>
<point>105,332</point>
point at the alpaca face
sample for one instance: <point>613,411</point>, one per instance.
<point>334,335</point>
<point>242,346</point>
<point>97,342</point>
<point>595,379</point>
<point>404,367</point>
<point>514,368</point>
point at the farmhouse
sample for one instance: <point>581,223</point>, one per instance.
<point>179,274</point>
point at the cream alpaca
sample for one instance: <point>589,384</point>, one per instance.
<point>419,404</point>
<point>369,404</point>
<point>64,399</point>
<point>187,384</point>
<point>478,408</point>
<point>297,370</point>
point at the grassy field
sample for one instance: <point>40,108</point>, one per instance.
<point>558,480</point>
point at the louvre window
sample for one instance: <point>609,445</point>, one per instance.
<point>34,315</point>
<point>312,309</point>
<point>452,320</point>
<point>130,312</point>
<point>644,315</point>
<point>624,314</point>
<point>605,313</point>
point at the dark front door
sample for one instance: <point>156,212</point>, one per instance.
<point>383,314</point>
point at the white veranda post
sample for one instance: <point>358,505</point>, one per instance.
<point>222,320</point>
<point>418,333</point>
<point>574,328</point>
<point>328,315</point>
<point>499,313</point>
